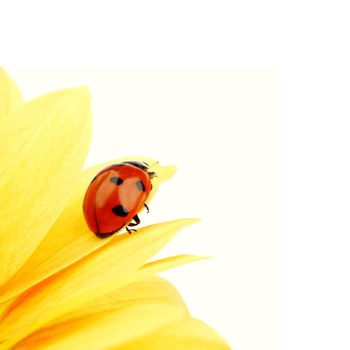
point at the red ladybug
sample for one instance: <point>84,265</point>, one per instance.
<point>115,196</point>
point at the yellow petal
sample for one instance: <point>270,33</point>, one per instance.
<point>10,96</point>
<point>187,334</point>
<point>4,306</point>
<point>119,295</point>
<point>113,319</point>
<point>145,270</point>
<point>111,266</point>
<point>43,149</point>
<point>169,263</point>
<point>69,238</point>
<point>146,289</point>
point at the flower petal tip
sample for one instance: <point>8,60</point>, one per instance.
<point>167,172</point>
<point>187,221</point>
<point>170,262</point>
<point>81,92</point>
<point>194,220</point>
<point>202,257</point>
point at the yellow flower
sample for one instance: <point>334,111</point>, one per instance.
<point>60,286</point>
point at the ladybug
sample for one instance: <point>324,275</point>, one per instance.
<point>115,196</point>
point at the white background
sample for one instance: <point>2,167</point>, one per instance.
<point>307,42</point>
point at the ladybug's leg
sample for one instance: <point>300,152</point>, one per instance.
<point>146,206</point>
<point>136,219</point>
<point>129,230</point>
<point>132,224</point>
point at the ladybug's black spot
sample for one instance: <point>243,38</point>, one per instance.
<point>119,210</point>
<point>116,180</point>
<point>140,186</point>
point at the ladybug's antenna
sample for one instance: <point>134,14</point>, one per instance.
<point>152,174</point>
<point>154,164</point>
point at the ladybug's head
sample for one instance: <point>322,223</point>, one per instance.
<point>141,165</point>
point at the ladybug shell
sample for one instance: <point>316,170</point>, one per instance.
<point>114,196</point>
